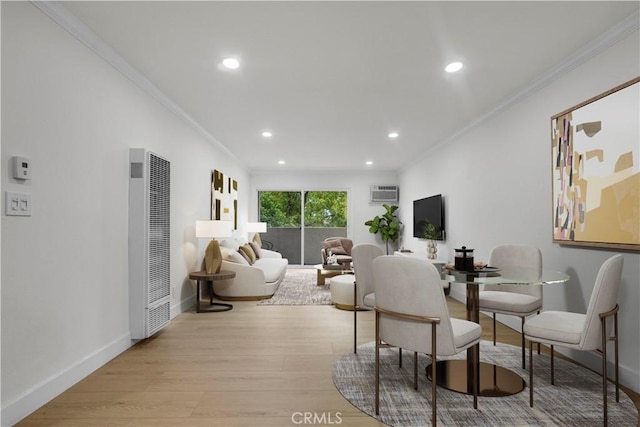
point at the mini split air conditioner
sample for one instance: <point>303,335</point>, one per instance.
<point>384,193</point>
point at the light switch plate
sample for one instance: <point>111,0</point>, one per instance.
<point>17,204</point>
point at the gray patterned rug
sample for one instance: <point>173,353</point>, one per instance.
<point>575,400</point>
<point>299,288</point>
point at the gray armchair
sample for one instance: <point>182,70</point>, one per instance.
<point>338,246</point>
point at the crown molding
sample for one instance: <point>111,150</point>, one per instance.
<point>63,17</point>
<point>618,32</point>
<point>84,34</point>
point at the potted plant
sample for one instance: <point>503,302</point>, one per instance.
<point>387,225</point>
<point>431,233</point>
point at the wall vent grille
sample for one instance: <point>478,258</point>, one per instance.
<point>158,317</point>
<point>149,243</point>
<point>159,232</point>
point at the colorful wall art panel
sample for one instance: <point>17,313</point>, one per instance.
<point>596,170</point>
<point>224,198</point>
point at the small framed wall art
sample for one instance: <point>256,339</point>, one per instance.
<point>224,198</point>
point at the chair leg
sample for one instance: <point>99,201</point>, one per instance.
<point>415,370</point>
<point>476,375</point>
<point>552,373</point>
<point>615,349</point>
<point>399,357</point>
<point>355,318</point>
<point>531,373</point>
<point>524,364</point>
<point>377,364</point>
<point>538,343</point>
<point>494,329</point>
<point>434,353</point>
<point>604,368</point>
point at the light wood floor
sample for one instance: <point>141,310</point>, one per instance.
<point>252,366</point>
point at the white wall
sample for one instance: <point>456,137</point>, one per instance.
<point>496,180</point>
<point>357,185</point>
<point>64,269</point>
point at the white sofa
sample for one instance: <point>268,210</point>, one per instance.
<point>256,281</point>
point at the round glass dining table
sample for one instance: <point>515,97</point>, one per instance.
<point>493,380</point>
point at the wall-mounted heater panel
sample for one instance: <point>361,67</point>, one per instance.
<point>149,245</point>
<point>384,193</point>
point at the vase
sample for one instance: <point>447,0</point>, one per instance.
<point>432,249</point>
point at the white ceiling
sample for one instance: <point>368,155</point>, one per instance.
<point>332,79</point>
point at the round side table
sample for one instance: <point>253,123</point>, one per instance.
<point>203,276</point>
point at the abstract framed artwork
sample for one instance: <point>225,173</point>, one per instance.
<point>595,150</point>
<point>224,198</point>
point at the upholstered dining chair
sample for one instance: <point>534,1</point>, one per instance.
<point>590,331</point>
<point>513,300</point>
<point>363,296</point>
<point>411,313</point>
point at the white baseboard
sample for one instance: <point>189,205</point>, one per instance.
<point>182,306</point>
<point>18,408</point>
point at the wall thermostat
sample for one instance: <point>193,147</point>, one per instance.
<point>21,167</point>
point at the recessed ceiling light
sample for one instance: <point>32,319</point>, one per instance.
<point>267,134</point>
<point>231,63</point>
<point>453,67</point>
<point>369,163</point>
<point>281,162</point>
<point>393,135</point>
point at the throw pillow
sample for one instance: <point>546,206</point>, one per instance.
<point>234,256</point>
<point>256,249</point>
<point>335,247</point>
<point>248,251</point>
<point>229,243</point>
<point>257,240</point>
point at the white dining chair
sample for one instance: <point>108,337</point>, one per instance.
<point>513,300</point>
<point>590,331</point>
<point>411,313</point>
<point>363,295</point>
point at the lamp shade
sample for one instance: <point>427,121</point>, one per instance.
<point>213,229</point>
<point>257,227</point>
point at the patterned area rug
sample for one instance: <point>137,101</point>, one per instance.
<point>575,400</point>
<point>299,288</point>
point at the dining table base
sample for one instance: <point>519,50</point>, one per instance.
<point>495,381</point>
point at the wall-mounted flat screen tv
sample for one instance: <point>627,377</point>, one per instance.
<point>428,209</point>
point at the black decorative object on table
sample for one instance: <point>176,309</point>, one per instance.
<point>464,259</point>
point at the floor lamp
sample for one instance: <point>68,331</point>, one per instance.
<point>213,230</point>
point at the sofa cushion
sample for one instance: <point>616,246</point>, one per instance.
<point>273,268</point>
<point>229,243</point>
<point>256,249</point>
<point>233,255</point>
<point>244,255</point>
<point>334,247</point>
<point>233,242</point>
<point>248,251</point>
